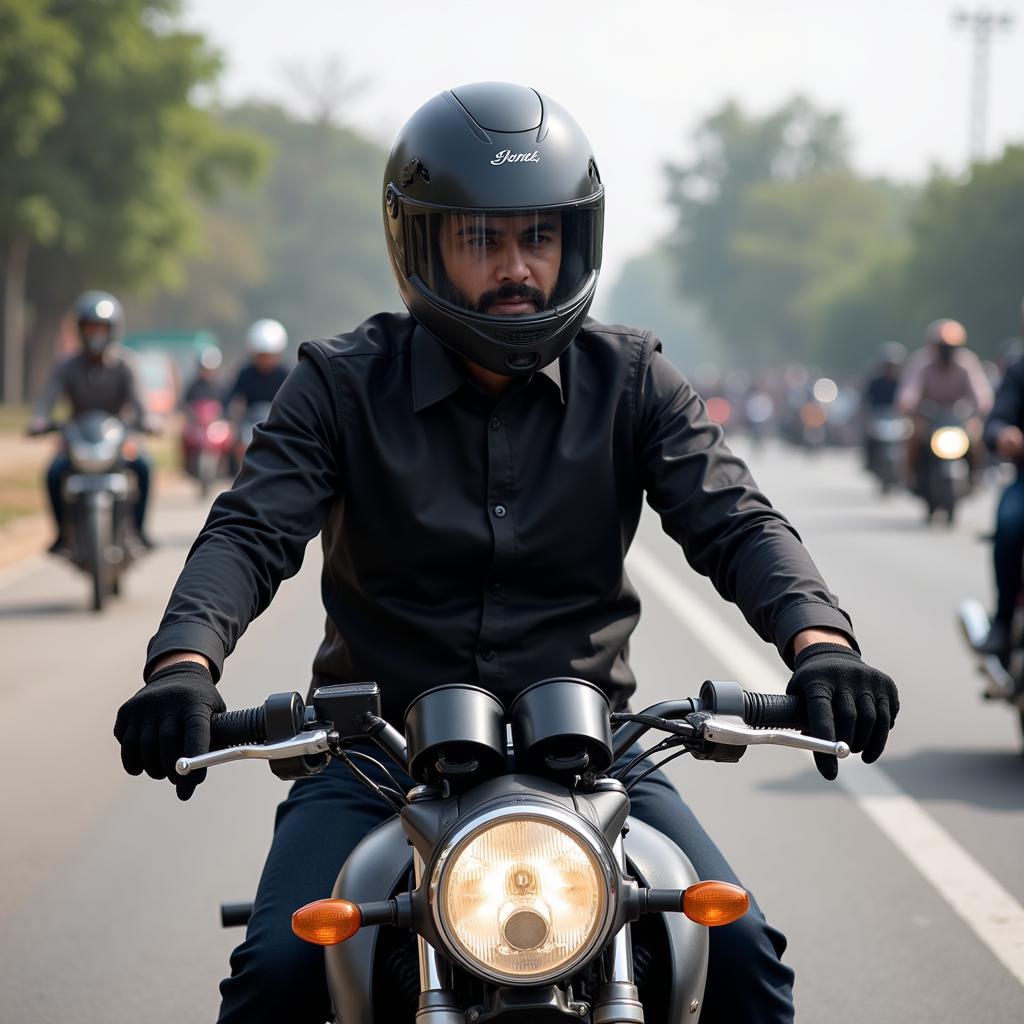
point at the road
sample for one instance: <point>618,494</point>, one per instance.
<point>108,912</point>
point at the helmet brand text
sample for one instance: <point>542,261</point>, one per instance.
<point>506,156</point>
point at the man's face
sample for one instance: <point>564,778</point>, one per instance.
<point>95,337</point>
<point>266,361</point>
<point>505,266</point>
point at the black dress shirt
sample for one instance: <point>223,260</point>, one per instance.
<point>469,538</point>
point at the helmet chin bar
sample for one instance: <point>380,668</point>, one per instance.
<point>511,346</point>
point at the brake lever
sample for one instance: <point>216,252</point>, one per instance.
<point>304,743</point>
<point>736,733</point>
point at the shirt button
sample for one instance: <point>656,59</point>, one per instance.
<point>500,511</point>
<point>495,422</point>
<point>487,654</point>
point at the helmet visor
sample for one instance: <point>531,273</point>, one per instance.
<point>521,263</point>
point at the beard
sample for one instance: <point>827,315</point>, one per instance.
<point>506,293</point>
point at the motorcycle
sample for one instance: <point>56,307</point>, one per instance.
<point>512,885</point>
<point>887,433</point>
<point>99,499</point>
<point>1004,676</point>
<point>206,443</point>
<point>943,472</point>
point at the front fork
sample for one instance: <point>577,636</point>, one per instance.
<point>618,1001</point>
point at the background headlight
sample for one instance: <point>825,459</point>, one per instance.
<point>523,899</point>
<point>950,442</point>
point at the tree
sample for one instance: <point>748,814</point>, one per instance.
<point>645,294</point>
<point>773,227</point>
<point>36,54</point>
<point>967,260</point>
<point>123,163</point>
<point>734,153</point>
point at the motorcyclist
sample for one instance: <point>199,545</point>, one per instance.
<point>206,386</point>
<point>258,381</point>
<point>944,372</point>
<point>880,390</point>
<point>477,470</point>
<point>1004,435</point>
<point>101,377</point>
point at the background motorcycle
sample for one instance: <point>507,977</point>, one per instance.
<point>943,473</point>
<point>519,888</point>
<point>887,433</point>
<point>99,497</point>
<point>206,443</point>
<point>1004,676</point>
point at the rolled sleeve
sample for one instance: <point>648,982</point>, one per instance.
<point>809,615</point>
<point>195,637</point>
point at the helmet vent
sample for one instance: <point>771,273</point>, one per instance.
<point>522,337</point>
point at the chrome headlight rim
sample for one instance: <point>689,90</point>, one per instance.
<point>94,456</point>
<point>468,829</point>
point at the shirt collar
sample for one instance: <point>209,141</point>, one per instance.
<point>438,373</point>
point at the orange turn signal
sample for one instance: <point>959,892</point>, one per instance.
<point>327,922</point>
<point>715,903</point>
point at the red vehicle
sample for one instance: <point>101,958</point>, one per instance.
<point>206,442</point>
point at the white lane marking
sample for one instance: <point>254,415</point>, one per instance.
<point>975,895</point>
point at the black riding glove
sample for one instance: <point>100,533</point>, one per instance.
<point>846,699</point>
<point>167,719</point>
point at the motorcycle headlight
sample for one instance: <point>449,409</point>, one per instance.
<point>218,431</point>
<point>94,457</point>
<point>950,442</point>
<point>523,898</point>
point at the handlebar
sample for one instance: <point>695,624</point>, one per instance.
<point>725,714</point>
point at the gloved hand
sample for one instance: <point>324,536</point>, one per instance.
<point>846,699</point>
<point>168,718</point>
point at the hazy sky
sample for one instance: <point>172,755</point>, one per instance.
<point>640,74</point>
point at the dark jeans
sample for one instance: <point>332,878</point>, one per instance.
<point>1008,550</point>
<point>61,467</point>
<point>276,976</point>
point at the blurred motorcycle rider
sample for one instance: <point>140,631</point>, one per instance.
<point>206,386</point>
<point>258,381</point>
<point>101,377</point>
<point>478,469</point>
<point>1004,435</point>
<point>880,389</point>
<point>944,372</point>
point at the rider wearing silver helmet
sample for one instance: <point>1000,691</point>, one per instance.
<point>477,470</point>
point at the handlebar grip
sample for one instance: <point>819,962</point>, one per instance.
<point>773,711</point>
<point>236,728</point>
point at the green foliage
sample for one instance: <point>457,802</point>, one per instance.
<point>644,295</point>
<point>968,251</point>
<point>773,227</point>
<point>305,247</point>
<point>36,55</point>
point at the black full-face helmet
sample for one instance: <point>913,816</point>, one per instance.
<point>96,307</point>
<point>494,218</point>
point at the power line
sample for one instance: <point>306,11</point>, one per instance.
<point>983,24</point>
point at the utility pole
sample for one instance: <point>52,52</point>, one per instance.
<point>983,24</point>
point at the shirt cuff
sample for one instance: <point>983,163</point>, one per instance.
<point>186,636</point>
<point>810,615</point>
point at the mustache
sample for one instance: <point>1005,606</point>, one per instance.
<point>512,293</point>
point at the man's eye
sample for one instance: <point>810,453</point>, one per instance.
<point>536,239</point>
<point>479,241</point>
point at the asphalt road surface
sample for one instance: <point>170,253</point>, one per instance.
<point>900,890</point>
